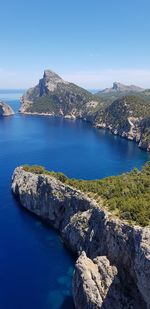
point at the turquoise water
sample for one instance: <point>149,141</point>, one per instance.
<point>35,268</point>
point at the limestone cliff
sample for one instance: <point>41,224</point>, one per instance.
<point>5,109</point>
<point>115,268</point>
<point>97,284</point>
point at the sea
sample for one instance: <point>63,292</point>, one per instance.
<point>35,267</point>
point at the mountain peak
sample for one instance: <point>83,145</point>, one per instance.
<point>117,85</point>
<point>50,80</point>
<point>51,76</point>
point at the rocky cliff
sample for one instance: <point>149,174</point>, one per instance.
<point>5,109</point>
<point>128,117</point>
<point>114,269</point>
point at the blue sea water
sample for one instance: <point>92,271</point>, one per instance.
<point>35,268</point>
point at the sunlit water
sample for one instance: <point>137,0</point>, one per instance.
<point>35,268</point>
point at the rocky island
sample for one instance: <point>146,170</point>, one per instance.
<point>113,265</point>
<point>5,109</point>
<point>124,110</point>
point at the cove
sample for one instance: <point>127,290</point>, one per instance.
<point>36,269</point>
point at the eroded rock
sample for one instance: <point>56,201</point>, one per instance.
<point>5,109</point>
<point>97,284</point>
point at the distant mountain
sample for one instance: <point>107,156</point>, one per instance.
<point>118,90</point>
<point>118,87</point>
<point>55,96</point>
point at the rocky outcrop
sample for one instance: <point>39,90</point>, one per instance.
<point>115,251</point>
<point>92,281</point>
<point>5,109</point>
<point>97,284</point>
<point>49,82</point>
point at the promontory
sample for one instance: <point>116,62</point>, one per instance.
<point>105,223</point>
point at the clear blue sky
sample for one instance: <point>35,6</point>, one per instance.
<point>90,42</point>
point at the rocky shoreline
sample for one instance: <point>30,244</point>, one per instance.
<point>130,135</point>
<point>113,266</point>
<point>133,134</point>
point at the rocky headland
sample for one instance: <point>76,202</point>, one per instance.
<point>57,97</point>
<point>124,110</point>
<point>5,109</point>
<point>113,265</point>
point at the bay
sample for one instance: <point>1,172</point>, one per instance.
<point>35,268</point>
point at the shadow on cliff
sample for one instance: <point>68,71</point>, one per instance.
<point>123,294</point>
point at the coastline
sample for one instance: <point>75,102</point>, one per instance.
<point>125,135</point>
<point>92,234</point>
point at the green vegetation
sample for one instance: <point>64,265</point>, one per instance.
<point>127,195</point>
<point>121,109</point>
<point>65,97</point>
<point>117,114</point>
<point>110,97</point>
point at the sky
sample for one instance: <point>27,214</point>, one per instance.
<point>89,42</point>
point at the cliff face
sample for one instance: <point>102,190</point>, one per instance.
<point>115,267</point>
<point>128,117</point>
<point>5,109</point>
<point>98,284</point>
<point>92,282</point>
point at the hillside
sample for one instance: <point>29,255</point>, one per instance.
<point>118,90</point>
<point>55,96</point>
<point>128,117</point>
